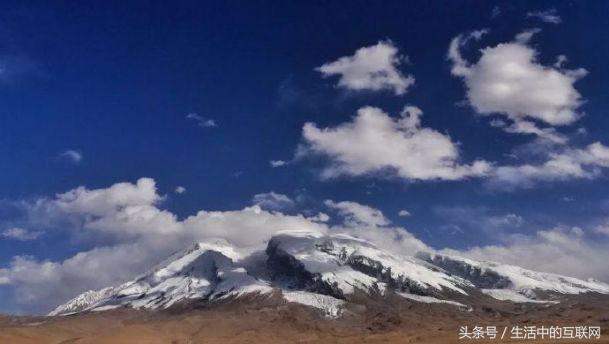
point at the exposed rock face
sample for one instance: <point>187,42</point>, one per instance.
<point>479,277</point>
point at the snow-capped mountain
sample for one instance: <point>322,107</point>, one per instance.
<point>206,270</point>
<point>326,272</point>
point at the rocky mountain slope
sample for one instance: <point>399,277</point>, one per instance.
<point>329,273</point>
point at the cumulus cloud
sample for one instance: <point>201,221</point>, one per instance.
<point>273,201</point>
<point>562,250</point>
<point>72,156</point>
<point>201,121</point>
<point>374,142</point>
<point>40,285</point>
<point>372,68</point>
<point>509,80</point>
<point>123,211</point>
<point>103,201</point>
<point>548,16</point>
<point>571,163</point>
<point>21,234</point>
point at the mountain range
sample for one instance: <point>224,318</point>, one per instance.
<point>334,275</point>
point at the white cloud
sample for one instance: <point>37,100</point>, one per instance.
<point>72,156</point>
<point>404,213</point>
<point>393,239</point>
<point>40,285</point>
<point>370,68</point>
<point>548,16</point>
<point>103,201</point>
<point>21,234</point>
<point>571,163</point>
<point>355,214</point>
<point>201,121</point>
<point>123,212</point>
<point>510,81</point>
<point>273,201</point>
<point>371,224</point>
<point>180,190</point>
<point>277,163</point>
<point>559,250</point>
<point>373,142</point>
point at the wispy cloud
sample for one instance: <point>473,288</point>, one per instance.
<point>568,164</point>
<point>277,163</point>
<point>14,67</point>
<point>72,156</point>
<point>495,12</point>
<point>201,121</point>
<point>478,220</point>
<point>548,16</point>
<point>21,234</point>
<point>273,201</point>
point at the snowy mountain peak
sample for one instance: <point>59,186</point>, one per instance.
<point>324,272</point>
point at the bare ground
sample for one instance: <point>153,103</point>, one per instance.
<point>392,321</point>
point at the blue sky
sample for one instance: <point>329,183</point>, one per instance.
<point>94,95</point>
